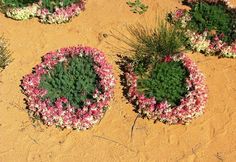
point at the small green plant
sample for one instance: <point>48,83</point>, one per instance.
<point>149,45</point>
<point>215,18</point>
<point>137,6</point>
<point>74,79</point>
<point>5,57</point>
<point>165,82</point>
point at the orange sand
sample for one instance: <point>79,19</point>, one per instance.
<point>210,138</point>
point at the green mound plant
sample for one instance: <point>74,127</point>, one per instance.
<point>166,81</point>
<point>215,18</point>
<point>74,79</point>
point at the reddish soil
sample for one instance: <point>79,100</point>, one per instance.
<point>210,138</point>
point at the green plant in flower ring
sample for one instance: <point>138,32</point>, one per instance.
<point>74,79</point>
<point>165,82</point>
<point>215,18</point>
<point>151,49</point>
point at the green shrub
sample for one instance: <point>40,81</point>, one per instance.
<point>165,82</point>
<point>149,45</point>
<point>5,57</point>
<point>74,79</point>
<point>213,17</point>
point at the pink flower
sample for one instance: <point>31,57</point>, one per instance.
<point>168,58</point>
<point>179,13</point>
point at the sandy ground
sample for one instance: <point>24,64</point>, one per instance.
<point>210,138</point>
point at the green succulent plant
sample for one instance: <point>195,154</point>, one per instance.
<point>74,79</point>
<point>167,81</point>
<point>137,6</point>
<point>215,18</point>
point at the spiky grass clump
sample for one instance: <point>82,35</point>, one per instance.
<point>148,45</point>
<point>5,55</point>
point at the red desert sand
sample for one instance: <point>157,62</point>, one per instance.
<point>210,138</point>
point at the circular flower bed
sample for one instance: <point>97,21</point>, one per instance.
<point>61,112</point>
<point>206,32</point>
<point>191,105</point>
<point>58,15</point>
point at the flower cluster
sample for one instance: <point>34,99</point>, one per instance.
<point>199,41</point>
<point>229,51</point>
<point>61,112</point>
<point>191,105</point>
<point>23,13</point>
<point>60,15</point>
<point>180,16</point>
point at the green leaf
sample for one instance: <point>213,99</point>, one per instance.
<point>166,82</point>
<point>76,82</point>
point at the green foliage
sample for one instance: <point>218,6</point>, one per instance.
<point>52,4</point>
<point>137,6</point>
<point>74,79</point>
<point>165,82</point>
<point>152,44</point>
<point>49,4</point>
<point>5,57</point>
<point>213,17</point>
<point>149,46</point>
<point>18,3</point>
